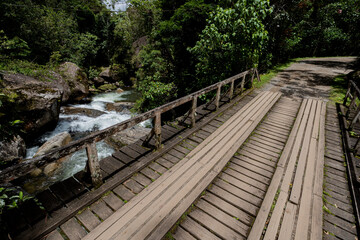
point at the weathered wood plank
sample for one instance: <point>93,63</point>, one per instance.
<point>73,230</point>
<point>88,219</point>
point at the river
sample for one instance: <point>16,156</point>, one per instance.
<point>79,125</point>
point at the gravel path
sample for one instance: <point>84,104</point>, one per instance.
<point>310,77</point>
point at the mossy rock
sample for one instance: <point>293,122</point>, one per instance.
<point>107,87</point>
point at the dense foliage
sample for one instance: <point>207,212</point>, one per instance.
<point>174,47</point>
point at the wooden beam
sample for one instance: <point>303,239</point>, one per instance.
<point>217,100</point>
<point>157,130</point>
<point>193,111</point>
<point>93,164</point>
<point>243,84</point>
<point>231,92</point>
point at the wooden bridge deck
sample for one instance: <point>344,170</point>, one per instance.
<point>235,205</point>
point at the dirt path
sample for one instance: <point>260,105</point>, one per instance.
<point>310,78</point>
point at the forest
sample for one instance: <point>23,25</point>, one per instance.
<point>166,48</point>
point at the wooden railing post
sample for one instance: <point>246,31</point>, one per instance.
<point>193,111</point>
<point>218,93</point>
<point>157,130</point>
<point>352,103</point>
<point>231,93</point>
<point>347,94</point>
<point>93,164</point>
<point>257,75</point>
<point>243,84</point>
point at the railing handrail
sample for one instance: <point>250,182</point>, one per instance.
<point>28,165</point>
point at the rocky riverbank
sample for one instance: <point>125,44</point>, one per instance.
<point>31,106</point>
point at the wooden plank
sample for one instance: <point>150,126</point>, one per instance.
<point>316,218</point>
<point>338,232</point>
<point>54,235</point>
<point>261,145</point>
<point>249,173</point>
<point>73,230</point>
<point>110,164</point>
<point>288,222</point>
<point>140,178</point>
<point>245,165</point>
<point>197,230</point>
<point>124,193</point>
<point>88,219</point>
<point>258,226</point>
<point>113,201</point>
<point>165,163</point>
<point>74,186</point>
<point>214,225</point>
<point>247,160</point>
<point>225,195</point>
<point>262,150</point>
<point>182,234</point>
<point>101,209</point>
<point>158,168</point>
<point>274,224</point>
<point>122,157</point>
<point>61,192</point>
<point>133,186</point>
<point>270,142</point>
<point>258,156</point>
<point>244,178</point>
<point>137,146</point>
<point>306,197</point>
<point>229,208</point>
<point>150,173</point>
<point>305,154</point>
<point>130,152</point>
<point>222,217</point>
<point>238,192</point>
<point>49,201</point>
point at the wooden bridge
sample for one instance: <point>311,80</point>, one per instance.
<point>251,165</point>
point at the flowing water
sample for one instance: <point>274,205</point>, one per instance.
<point>79,125</point>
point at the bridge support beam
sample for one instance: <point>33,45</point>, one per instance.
<point>93,165</point>
<point>157,130</point>
<point>193,111</point>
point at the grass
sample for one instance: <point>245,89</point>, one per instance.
<point>338,89</point>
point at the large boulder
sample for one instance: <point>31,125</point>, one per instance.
<point>76,80</point>
<point>82,111</point>
<point>12,149</point>
<point>127,136</point>
<point>57,141</point>
<point>35,102</point>
<point>106,75</point>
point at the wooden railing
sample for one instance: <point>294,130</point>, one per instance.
<point>352,93</point>
<point>89,142</point>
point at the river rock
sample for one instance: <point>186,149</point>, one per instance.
<point>105,75</point>
<point>81,111</point>
<point>76,79</point>
<point>127,136</point>
<point>107,87</point>
<point>119,90</point>
<point>51,168</point>
<point>12,149</point>
<point>98,81</point>
<point>119,106</point>
<point>35,102</point>
<point>57,141</point>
